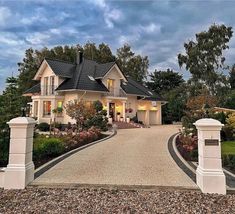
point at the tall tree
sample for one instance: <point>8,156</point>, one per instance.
<point>204,57</point>
<point>232,77</point>
<point>164,81</point>
<point>105,54</point>
<point>132,65</point>
<point>10,102</point>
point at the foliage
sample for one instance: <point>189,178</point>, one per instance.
<point>204,56</point>
<point>132,65</point>
<point>47,147</point>
<point>232,77</point>
<point>164,81</point>
<point>4,146</point>
<point>231,120</point>
<point>220,116</point>
<point>228,161</point>
<point>99,119</point>
<point>82,138</point>
<point>176,103</point>
<point>230,100</point>
<point>10,102</point>
<point>187,144</point>
<point>79,111</point>
<point>44,127</point>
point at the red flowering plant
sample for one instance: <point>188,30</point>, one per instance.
<point>187,144</point>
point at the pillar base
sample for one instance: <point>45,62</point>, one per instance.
<point>18,176</point>
<point>211,181</point>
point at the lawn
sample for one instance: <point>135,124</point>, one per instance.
<point>228,148</point>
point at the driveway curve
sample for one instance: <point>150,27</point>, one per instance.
<point>132,157</point>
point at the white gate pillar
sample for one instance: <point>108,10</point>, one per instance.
<point>20,169</point>
<point>209,174</point>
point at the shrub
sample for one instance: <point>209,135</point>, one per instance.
<point>228,161</point>
<point>44,127</point>
<point>227,133</point>
<point>48,147</point>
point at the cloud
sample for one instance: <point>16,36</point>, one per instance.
<point>5,13</point>
<point>157,29</point>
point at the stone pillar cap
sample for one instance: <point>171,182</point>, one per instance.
<point>22,120</point>
<point>208,122</point>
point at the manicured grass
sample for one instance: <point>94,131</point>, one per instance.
<point>228,148</point>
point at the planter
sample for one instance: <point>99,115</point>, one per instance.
<point>121,119</point>
<point>110,120</point>
<point>128,120</point>
<point>118,118</point>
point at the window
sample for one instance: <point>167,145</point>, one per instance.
<point>59,104</point>
<point>46,85</point>
<point>35,109</point>
<point>46,108</point>
<point>52,84</point>
<point>110,84</point>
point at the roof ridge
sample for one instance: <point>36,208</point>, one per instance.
<point>59,60</point>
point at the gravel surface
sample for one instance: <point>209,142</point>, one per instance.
<point>84,200</point>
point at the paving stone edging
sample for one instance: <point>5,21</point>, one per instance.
<point>42,169</point>
<point>179,159</point>
<point>190,169</point>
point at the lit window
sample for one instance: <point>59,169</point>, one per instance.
<point>110,84</point>
<point>59,104</point>
<point>47,108</point>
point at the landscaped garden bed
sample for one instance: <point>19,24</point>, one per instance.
<point>187,142</point>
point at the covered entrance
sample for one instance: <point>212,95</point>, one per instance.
<point>116,109</point>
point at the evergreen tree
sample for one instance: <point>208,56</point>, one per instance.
<point>132,65</point>
<point>232,77</point>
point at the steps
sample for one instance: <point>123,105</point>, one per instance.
<point>124,125</point>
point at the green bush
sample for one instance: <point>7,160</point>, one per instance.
<point>48,147</point>
<point>229,161</point>
<point>227,133</point>
<point>44,127</point>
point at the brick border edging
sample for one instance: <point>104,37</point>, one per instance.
<point>178,160</point>
<point>230,180</point>
<point>45,167</point>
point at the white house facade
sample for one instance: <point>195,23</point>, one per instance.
<point>61,82</point>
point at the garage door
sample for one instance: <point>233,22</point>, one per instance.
<point>141,115</point>
<point>152,117</point>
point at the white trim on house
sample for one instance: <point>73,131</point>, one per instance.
<point>119,71</point>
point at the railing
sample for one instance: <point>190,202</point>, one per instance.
<point>115,92</point>
<point>47,90</point>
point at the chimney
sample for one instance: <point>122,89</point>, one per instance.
<point>79,57</point>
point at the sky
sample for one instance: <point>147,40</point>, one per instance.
<point>157,28</point>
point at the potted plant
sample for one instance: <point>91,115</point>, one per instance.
<point>128,119</point>
<point>118,116</point>
<point>110,120</point>
<point>121,119</point>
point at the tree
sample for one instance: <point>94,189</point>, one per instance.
<point>79,111</point>
<point>132,65</point>
<point>164,81</point>
<point>232,77</point>
<point>10,102</point>
<point>99,119</point>
<point>176,104</point>
<point>204,57</point>
<point>105,54</point>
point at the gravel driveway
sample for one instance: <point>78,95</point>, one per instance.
<point>34,200</point>
<point>132,157</point>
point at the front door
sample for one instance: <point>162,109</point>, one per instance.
<point>112,110</point>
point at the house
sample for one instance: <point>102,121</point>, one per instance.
<point>61,82</point>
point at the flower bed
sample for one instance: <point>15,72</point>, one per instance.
<point>48,147</point>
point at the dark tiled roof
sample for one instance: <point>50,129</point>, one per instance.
<point>61,68</point>
<point>83,78</point>
<point>34,89</point>
<point>86,76</point>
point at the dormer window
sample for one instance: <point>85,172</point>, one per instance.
<point>110,84</point>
